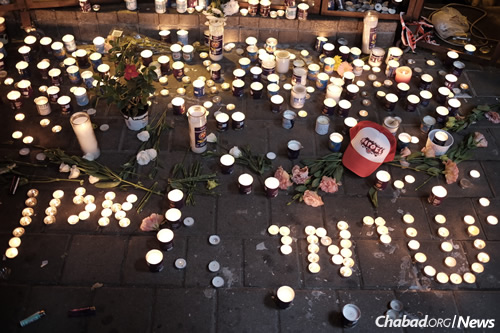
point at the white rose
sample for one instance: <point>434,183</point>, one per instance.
<point>211,138</point>
<point>143,158</point>
<point>151,153</point>
<point>74,172</point>
<point>93,180</point>
<point>235,151</point>
<point>143,136</point>
<point>64,167</point>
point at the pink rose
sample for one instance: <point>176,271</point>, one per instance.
<point>329,185</point>
<point>493,116</point>
<point>283,177</point>
<point>312,198</point>
<point>480,140</point>
<point>344,67</point>
<point>450,171</point>
<point>152,222</point>
<point>429,152</point>
<point>300,175</point>
<point>405,152</point>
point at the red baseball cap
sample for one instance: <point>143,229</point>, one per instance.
<point>371,145</point>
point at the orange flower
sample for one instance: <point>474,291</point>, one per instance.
<point>329,185</point>
<point>283,177</point>
<point>344,67</point>
<point>428,152</point>
<point>130,72</point>
<point>450,171</point>
<point>312,199</point>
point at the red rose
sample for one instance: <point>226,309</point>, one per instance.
<point>130,72</point>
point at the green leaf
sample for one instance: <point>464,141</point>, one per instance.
<point>315,182</point>
<point>422,167</point>
<point>107,184</point>
<point>483,107</point>
<point>433,171</point>
<point>317,174</point>
<point>301,188</point>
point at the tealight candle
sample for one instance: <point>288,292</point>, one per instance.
<point>385,239</point>
<point>57,129</point>
<point>429,271</point>
<point>15,242</point>
<point>345,271</point>
<point>284,231</point>
<point>473,231</point>
<point>380,221</point>
<point>342,225</point>
<point>346,253</point>
<point>440,219</point>
<point>287,240</point>
<point>312,258</point>
<point>492,220</point>
<point>25,221</point>
<point>27,212</point>
<point>345,234</point>
<point>90,207</point>
<point>44,122</point>
<point>58,194</point>
<point>284,297</point>
<point>28,139</point>
<point>368,220</point>
<point>273,230</point>
<point>483,257</point>
<point>411,232</point>
<point>18,232</point>
<point>120,215</point>
<point>51,211</point>
<point>286,249</point>
<point>337,259</point>
<point>312,248</point>
<point>312,239</point>
<point>443,232</point>
<point>126,206</point>
<point>414,245</point>
<point>348,262</point>
<point>310,230</point>
<point>450,261</point>
<point>345,243</point>
<point>320,232</point>
<point>17,135</point>
<point>326,241</point>
<point>442,277</point>
<point>484,202</point>
<point>73,219</point>
<point>106,212</point>
<point>408,218</point>
<point>11,252</point>
<point>479,244</point>
<point>420,257</point>
<point>132,198</point>
<point>469,49</point>
<point>477,267</point>
<point>78,200</point>
<point>124,222</point>
<point>474,174</point>
<point>398,184</point>
<point>116,207</point>
<point>19,116</point>
<point>469,277</point>
<point>83,215</point>
<point>455,278</point>
<point>103,221</point>
<point>154,259</point>
<point>469,219</point>
<point>30,202</point>
<point>49,219</point>
<point>382,230</point>
<point>333,249</point>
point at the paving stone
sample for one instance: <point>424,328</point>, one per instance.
<point>136,271</point>
<point>57,301</point>
<point>312,310</point>
<point>485,83</point>
<point>329,275</point>
<point>352,210</point>
<point>150,19</point>
<point>372,303</point>
<point>393,213</point>
<point>111,304</point>
<point>65,16</point>
<point>43,15</point>
<point>299,133</point>
<point>127,17</point>
<point>90,17</point>
<point>245,33</point>
<point>479,188</point>
<point>266,266</point>
<point>87,263</point>
<point>242,216</point>
<point>287,36</point>
<point>489,279</point>
<point>188,20</point>
<point>34,250</point>
<point>169,20</point>
<point>296,216</point>
<point>239,309</point>
<point>251,22</point>
<point>435,304</point>
<point>493,175</point>
<point>477,305</point>
<point>386,266</point>
<point>229,254</point>
<point>454,211</point>
<point>14,310</point>
<point>190,310</point>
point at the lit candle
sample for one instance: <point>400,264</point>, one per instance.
<point>469,277</point>
<point>120,215</point>
<point>19,116</point>
<point>477,267</point>
<point>311,248</point>
<point>440,219</point>
<point>399,185</point>
<point>485,202</point>
<point>90,207</point>
<point>333,249</point>
<point>314,267</point>
<point>127,206</point>
<point>382,230</point>
<point>443,232</point>
<point>110,195</point>
<point>124,222</point>
<point>83,215</point>
<point>107,204</point>
<point>474,174</point>
<point>312,239</point>
<point>479,244</point>
<point>450,262</point>
<point>342,225</point>
<point>420,257</point>
<point>30,202</point>
<point>103,221</point>
<point>58,194</point>
<point>403,74</point>
<point>408,218</point>
<point>17,135</point>
<point>49,220</point>
<point>78,200</point>
<point>27,212</point>
<point>483,257</point>
<point>492,220</point>
<point>320,232</point>
<point>286,240</point>
<point>106,212</point>
<point>345,243</point>
<point>286,249</point>
<point>385,239</point>
<point>337,259</point>
<point>442,277</point>
<point>455,278</point>
<point>438,193</point>
<point>469,49</point>
<point>326,241</point>
<point>411,232</point>
<point>368,220</point>
<point>44,122</point>
<point>89,198</point>
<point>429,271</point>
<point>345,271</point>
<point>345,234</point>
<point>414,245</point>
<point>51,211</point>
<point>116,207</point>
<point>80,191</point>
<point>346,253</point>
<point>284,231</point>
<point>57,129</point>
<point>25,221</point>
<point>15,242</point>
<point>273,230</point>
<point>284,296</point>
<point>18,232</point>
<point>469,219</point>
<point>154,259</point>
<point>82,126</point>
<point>312,258</point>
<point>473,231</point>
<point>310,230</point>
<point>11,252</point>
<point>380,221</point>
<point>73,219</point>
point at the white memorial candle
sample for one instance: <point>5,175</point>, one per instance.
<point>82,126</point>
